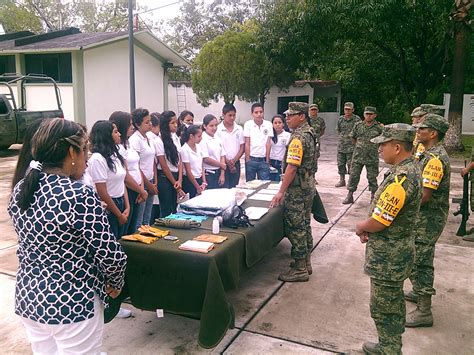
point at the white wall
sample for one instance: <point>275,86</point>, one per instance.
<point>106,81</point>
<point>467,112</point>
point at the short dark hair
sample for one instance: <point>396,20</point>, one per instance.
<point>227,108</point>
<point>255,105</point>
<point>138,115</point>
<point>407,146</point>
<point>155,119</point>
<point>193,129</point>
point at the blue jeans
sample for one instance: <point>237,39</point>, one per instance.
<point>167,194</point>
<point>277,165</point>
<point>144,210</point>
<point>212,178</point>
<point>257,167</point>
<point>116,228</point>
<point>130,226</point>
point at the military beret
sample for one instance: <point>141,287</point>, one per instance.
<point>296,107</point>
<point>396,131</point>
<point>434,121</point>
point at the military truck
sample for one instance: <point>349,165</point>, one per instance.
<point>13,118</point>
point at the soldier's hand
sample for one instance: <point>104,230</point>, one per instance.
<point>277,199</point>
<point>364,238</point>
<point>465,171</point>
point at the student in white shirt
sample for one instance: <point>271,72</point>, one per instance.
<point>153,136</point>
<point>107,170</point>
<point>279,143</point>
<point>139,141</point>
<point>170,170</point>
<point>213,153</point>
<point>232,138</point>
<point>185,119</point>
<point>194,179</point>
<point>133,179</point>
<point>258,134</point>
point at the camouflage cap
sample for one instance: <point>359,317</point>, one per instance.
<point>396,131</point>
<point>314,106</point>
<point>349,105</point>
<point>370,109</point>
<point>296,107</point>
<point>434,121</point>
<point>436,109</point>
<point>418,112</point>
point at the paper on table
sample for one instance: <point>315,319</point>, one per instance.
<point>261,197</point>
<point>255,213</point>
<point>194,245</point>
<point>268,192</point>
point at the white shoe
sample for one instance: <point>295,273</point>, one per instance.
<point>123,313</point>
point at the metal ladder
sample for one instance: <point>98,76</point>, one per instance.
<point>181,97</point>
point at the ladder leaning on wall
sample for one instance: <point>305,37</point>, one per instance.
<point>181,97</point>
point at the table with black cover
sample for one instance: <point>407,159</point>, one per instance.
<point>192,284</point>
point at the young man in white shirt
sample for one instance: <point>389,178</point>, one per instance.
<point>258,134</point>
<point>232,137</point>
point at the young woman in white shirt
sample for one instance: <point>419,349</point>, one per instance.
<point>279,143</point>
<point>194,180</point>
<point>139,141</point>
<point>153,136</point>
<point>213,153</point>
<point>133,179</point>
<point>170,170</point>
<point>107,170</point>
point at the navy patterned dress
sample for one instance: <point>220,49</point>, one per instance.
<point>66,252</point>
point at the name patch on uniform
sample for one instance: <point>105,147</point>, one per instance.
<point>295,152</point>
<point>433,173</point>
<point>390,202</point>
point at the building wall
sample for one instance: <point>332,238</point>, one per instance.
<point>467,112</point>
<point>106,81</point>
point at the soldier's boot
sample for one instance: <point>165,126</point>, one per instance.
<point>342,181</point>
<point>411,296</point>
<point>308,264</point>
<point>421,316</point>
<point>349,198</point>
<point>371,348</point>
<point>298,273</point>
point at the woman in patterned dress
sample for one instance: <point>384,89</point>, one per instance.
<point>69,261</point>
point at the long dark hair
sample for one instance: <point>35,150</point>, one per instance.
<point>50,146</point>
<point>138,115</point>
<point>103,143</point>
<point>171,151</point>
<point>122,120</point>
<point>24,157</point>
<point>193,129</point>
<point>275,136</point>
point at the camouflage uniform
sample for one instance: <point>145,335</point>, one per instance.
<point>299,196</point>
<point>431,222</point>
<point>365,153</point>
<point>389,254</point>
<point>319,125</point>
<point>345,146</point>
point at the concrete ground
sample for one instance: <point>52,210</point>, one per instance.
<point>328,314</point>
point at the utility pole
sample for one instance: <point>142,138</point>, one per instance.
<point>131,56</point>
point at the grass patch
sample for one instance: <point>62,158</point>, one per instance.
<point>468,143</point>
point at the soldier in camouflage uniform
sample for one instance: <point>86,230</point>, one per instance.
<point>346,144</point>
<point>417,116</point>
<point>319,127</point>
<point>298,190</point>
<point>365,153</point>
<point>390,238</point>
<point>436,168</point>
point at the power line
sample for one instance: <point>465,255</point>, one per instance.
<point>159,7</point>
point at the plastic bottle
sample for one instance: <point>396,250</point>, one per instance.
<point>215,225</point>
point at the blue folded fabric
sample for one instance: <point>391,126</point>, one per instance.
<point>191,217</point>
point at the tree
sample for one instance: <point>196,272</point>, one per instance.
<point>461,21</point>
<point>15,17</point>
<point>230,66</point>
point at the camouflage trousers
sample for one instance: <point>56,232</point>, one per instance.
<point>356,171</point>
<point>297,221</point>
<point>343,162</point>
<point>422,275</point>
<point>316,157</point>
<point>387,308</point>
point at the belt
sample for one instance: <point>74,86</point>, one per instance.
<point>257,159</point>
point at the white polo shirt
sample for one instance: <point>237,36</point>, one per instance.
<point>145,149</point>
<point>231,141</point>
<point>160,151</point>
<point>133,162</point>
<point>194,158</point>
<point>279,148</point>
<point>100,173</point>
<point>211,147</point>
<point>258,137</point>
